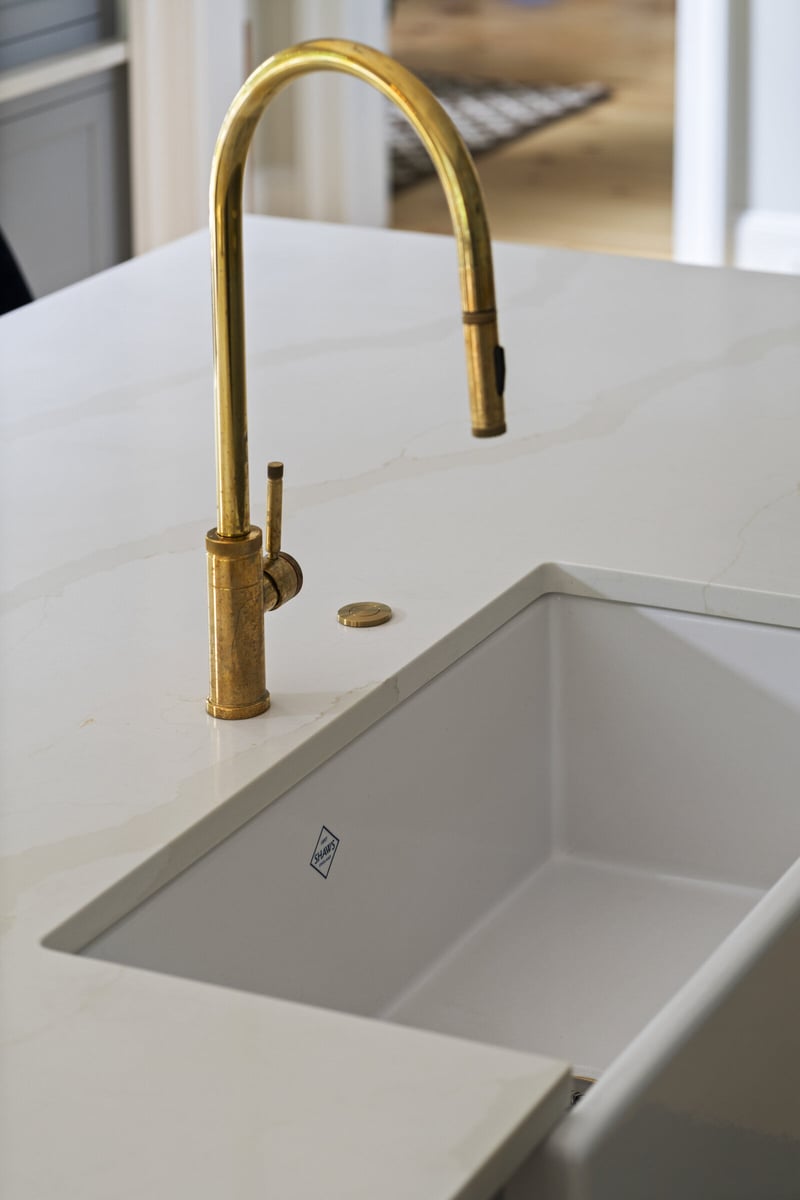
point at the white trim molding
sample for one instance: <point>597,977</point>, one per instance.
<point>343,142</point>
<point>186,65</point>
<point>328,161</point>
<point>61,68</point>
<point>702,169</point>
<point>736,175</point>
<point>323,155</point>
<point>768,241</point>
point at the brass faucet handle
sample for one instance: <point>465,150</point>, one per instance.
<point>283,577</point>
<point>272,534</point>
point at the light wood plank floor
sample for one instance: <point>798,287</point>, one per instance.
<point>599,180</point>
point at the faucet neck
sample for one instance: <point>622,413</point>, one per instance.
<point>467,211</point>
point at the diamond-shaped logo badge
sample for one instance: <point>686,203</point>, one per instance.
<point>324,851</point>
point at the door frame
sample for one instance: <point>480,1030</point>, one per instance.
<point>187,59</point>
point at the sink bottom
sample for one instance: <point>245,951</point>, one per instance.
<point>578,958</point>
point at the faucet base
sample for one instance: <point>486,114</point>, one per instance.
<point>238,712</point>
<point>238,685</point>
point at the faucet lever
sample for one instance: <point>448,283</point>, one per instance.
<point>283,577</point>
<point>272,529</point>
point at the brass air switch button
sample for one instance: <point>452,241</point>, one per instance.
<point>364,614</point>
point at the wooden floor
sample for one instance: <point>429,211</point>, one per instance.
<point>599,180</point>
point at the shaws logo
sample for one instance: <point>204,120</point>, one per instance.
<point>324,851</point>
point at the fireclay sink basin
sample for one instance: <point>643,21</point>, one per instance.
<point>572,842</point>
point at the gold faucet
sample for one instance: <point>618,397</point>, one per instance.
<point>242,585</point>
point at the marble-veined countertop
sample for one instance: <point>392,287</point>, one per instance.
<point>653,456</point>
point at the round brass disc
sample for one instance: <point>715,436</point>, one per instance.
<point>364,614</point>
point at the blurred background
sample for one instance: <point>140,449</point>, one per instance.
<point>663,128</point>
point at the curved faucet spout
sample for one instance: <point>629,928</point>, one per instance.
<point>485,364</point>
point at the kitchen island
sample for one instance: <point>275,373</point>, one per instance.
<point>652,458</point>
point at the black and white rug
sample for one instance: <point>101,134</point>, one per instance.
<point>486,115</point>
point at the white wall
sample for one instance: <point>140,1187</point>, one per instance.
<point>321,151</point>
<point>186,62</point>
<point>737,163</point>
<point>767,229</point>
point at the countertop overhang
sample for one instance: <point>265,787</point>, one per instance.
<point>651,458</point>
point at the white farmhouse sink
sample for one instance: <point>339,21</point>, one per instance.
<point>539,850</point>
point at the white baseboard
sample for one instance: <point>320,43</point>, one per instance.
<point>767,241</point>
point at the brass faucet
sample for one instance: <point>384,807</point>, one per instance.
<point>242,585</point>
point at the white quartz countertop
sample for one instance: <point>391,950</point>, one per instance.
<point>653,456</point>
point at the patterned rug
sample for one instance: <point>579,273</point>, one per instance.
<point>486,115</point>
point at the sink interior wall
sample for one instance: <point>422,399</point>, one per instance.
<point>675,741</point>
<point>536,850</point>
